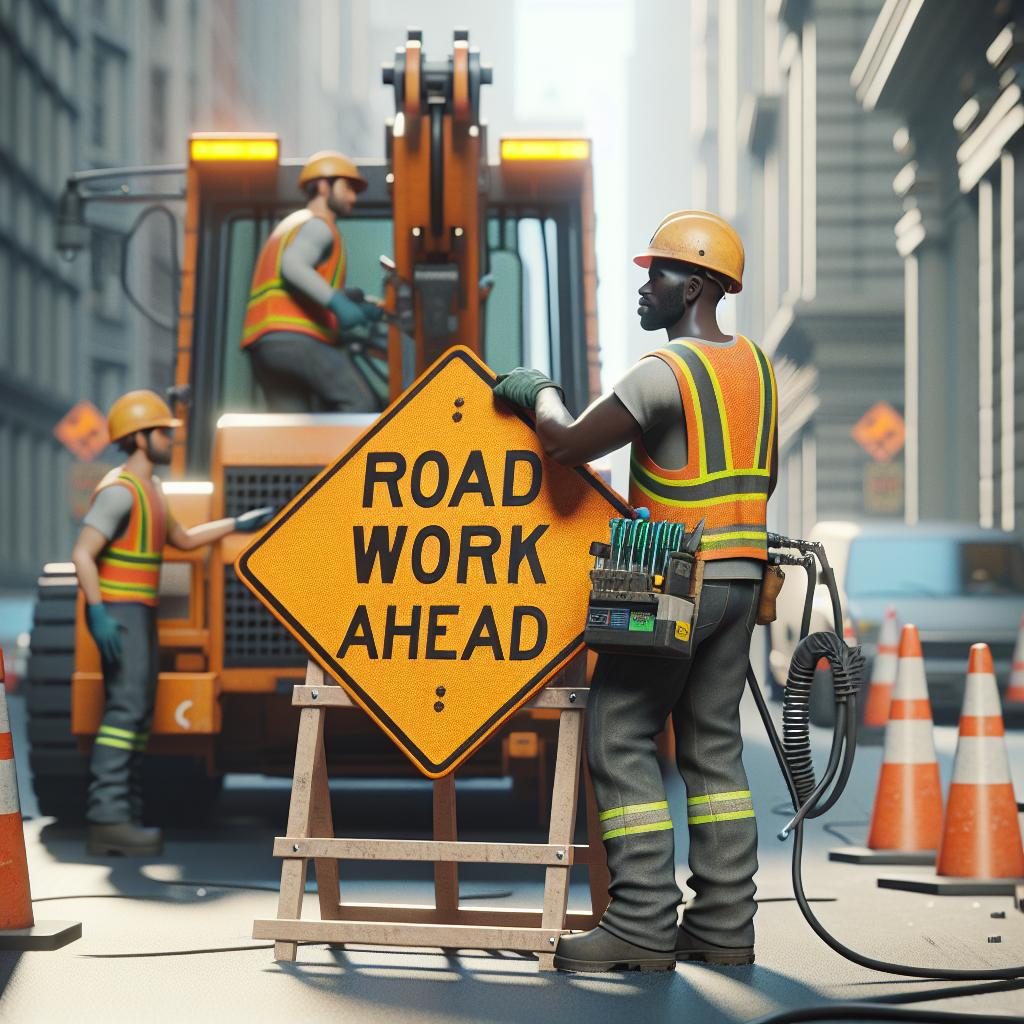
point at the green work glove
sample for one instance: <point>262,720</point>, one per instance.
<point>106,631</point>
<point>250,521</point>
<point>371,311</point>
<point>349,314</point>
<point>521,386</point>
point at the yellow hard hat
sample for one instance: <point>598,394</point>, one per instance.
<point>138,410</point>
<point>703,239</point>
<point>330,164</point>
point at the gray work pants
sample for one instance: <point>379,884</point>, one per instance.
<point>129,687</point>
<point>294,369</point>
<point>630,700</point>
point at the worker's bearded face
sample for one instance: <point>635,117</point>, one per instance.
<point>341,198</point>
<point>663,295</point>
<point>159,443</point>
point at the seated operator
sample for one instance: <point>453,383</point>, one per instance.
<point>297,302</point>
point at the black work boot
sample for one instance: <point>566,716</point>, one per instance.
<point>124,839</point>
<point>689,947</point>
<point>599,950</point>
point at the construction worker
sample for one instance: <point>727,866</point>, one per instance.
<point>700,414</point>
<point>297,302</point>
<point>117,557</point>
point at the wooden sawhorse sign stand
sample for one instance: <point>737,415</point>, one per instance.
<point>446,924</point>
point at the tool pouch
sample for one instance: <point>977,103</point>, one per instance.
<point>771,585</point>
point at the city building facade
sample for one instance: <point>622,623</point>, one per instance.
<point>784,151</point>
<point>951,73</point>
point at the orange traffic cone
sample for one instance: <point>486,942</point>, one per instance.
<point>883,672</point>
<point>980,852</point>
<point>981,834</point>
<point>908,802</point>
<point>18,930</point>
<point>906,822</point>
<point>1015,691</point>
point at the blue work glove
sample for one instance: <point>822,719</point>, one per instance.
<point>106,631</point>
<point>371,311</point>
<point>250,521</point>
<point>521,386</point>
<point>349,314</point>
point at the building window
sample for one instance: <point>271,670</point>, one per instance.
<point>98,126</point>
<point>105,271</point>
<point>158,82</point>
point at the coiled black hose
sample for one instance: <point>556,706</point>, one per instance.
<point>847,664</point>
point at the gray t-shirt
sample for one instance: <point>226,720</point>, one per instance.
<point>109,511</point>
<point>651,396</point>
<point>306,251</point>
<point>111,508</point>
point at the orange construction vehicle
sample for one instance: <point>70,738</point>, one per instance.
<point>495,256</point>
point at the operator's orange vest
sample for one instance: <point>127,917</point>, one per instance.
<point>729,404</point>
<point>273,306</point>
<point>129,566</point>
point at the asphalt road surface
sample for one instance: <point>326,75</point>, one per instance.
<point>169,939</point>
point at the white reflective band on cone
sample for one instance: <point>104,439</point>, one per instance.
<point>910,681</point>
<point>884,670</point>
<point>981,760</point>
<point>5,722</point>
<point>981,696</point>
<point>8,788</point>
<point>909,741</point>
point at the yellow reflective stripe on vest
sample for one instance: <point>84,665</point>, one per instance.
<point>702,455</point>
<point>730,806</point>
<point>719,401</point>
<point>636,818</point>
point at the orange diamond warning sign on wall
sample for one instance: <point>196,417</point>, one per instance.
<point>439,569</point>
<point>83,431</point>
<point>880,432</point>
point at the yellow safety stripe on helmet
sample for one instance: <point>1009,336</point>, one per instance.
<point>109,741</point>
<point>655,826</point>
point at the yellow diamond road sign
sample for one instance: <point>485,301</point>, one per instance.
<point>439,569</point>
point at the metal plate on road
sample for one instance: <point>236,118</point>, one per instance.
<point>439,569</point>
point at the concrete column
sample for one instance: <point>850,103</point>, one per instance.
<point>938,241</point>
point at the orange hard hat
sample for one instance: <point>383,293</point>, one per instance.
<point>703,239</point>
<point>138,410</point>
<point>328,163</point>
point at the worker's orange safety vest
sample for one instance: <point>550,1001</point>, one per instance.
<point>129,566</point>
<point>729,404</point>
<point>273,306</point>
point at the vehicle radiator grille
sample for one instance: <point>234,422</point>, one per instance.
<point>253,638</point>
<point>247,487</point>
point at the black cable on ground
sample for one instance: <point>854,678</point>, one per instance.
<point>870,1011</point>
<point>844,736</point>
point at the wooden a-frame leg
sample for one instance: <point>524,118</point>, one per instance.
<point>446,874</point>
<point>322,826</point>
<point>563,820</point>
<point>293,870</point>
